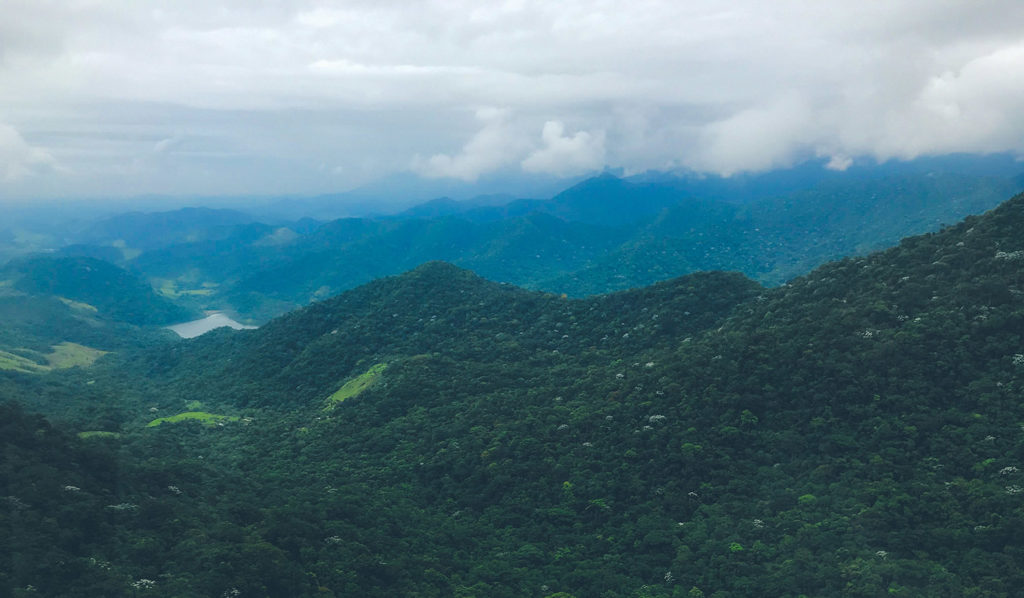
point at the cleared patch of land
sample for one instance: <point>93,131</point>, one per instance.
<point>207,419</point>
<point>355,386</point>
<point>174,289</point>
<point>78,305</point>
<point>69,355</point>
<point>17,363</point>
<point>129,253</point>
<point>64,355</point>
<point>98,434</point>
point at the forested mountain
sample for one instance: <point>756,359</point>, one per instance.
<point>854,432</point>
<point>144,231</point>
<point>601,235</point>
<point>107,289</point>
<point>58,313</point>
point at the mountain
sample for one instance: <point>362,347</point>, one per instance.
<point>264,279</point>
<point>109,290</point>
<point>58,313</point>
<point>776,239</point>
<point>134,232</point>
<point>443,310</point>
<point>395,193</point>
<point>602,235</point>
<point>446,206</point>
<point>855,431</point>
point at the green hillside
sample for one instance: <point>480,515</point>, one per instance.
<point>107,289</point>
<point>603,235</point>
<point>856,432</point>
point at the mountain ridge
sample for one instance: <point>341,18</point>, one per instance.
<point>855,431</point>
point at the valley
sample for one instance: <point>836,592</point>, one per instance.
<point>854,431</point>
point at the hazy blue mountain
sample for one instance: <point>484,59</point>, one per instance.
<point>403,191</point>
<point>776,239</point>
<point>143,231</point>
<point>603,234</point>
<point>446,206</point>
<point>346,253</point>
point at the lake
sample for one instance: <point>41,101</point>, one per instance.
<point>215,320</point>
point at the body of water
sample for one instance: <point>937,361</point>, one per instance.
<point>215,320</point>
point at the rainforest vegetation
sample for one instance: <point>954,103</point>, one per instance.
<point>858,431</point>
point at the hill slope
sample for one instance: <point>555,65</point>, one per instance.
<point>112,291</point>
<point>855,432</point>
<point>602,235</point>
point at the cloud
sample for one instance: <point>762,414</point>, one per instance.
<point>565,155</point>
<point>18,159</point>
<point>977,107</point>
<point>839,162</point>
<point>370,84</point>
<point>758,138</point>
<point>495,145</point>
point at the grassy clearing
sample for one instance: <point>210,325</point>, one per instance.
<point>165,287</point>
<point>355,386</point>
<point>80,306</point>
<point>16,363</point>
<point>70,355</point>
<point>65,355</point>
<point>98,434</point>
<point>207,419</point>
<point>128,253</point>
<point>174,289</point>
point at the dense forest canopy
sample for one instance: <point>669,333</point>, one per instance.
<point>856,432</point>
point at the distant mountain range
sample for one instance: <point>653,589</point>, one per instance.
<point>603,234</point>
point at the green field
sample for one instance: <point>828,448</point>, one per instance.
<point>207,419</point>
<point>65,355</point>
<point>355,386</point>
<point>11,362</point>
<point>174,289</point>
<point>69,355</point>
<point>98,434</point>
<point>78,305</point>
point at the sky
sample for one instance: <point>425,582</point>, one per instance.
<point>115,98</point>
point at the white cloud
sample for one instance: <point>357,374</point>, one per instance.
<point>839,162</point>
<point>566,155</point>
<point>367,84</point>
<point>495,145</point>
<point>758,138</point>
<point>977,107</point>
<point>18,159</point>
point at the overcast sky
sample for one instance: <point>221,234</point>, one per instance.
<point>123,97</point>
